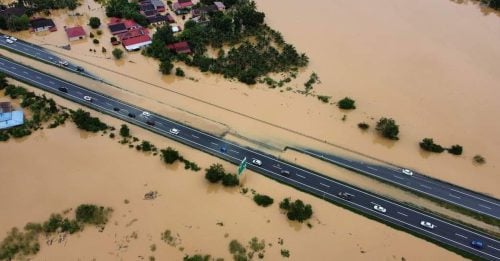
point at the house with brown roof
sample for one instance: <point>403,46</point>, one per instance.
<point>42,24</point>
<point>182,4</point>
<point>75,33</point>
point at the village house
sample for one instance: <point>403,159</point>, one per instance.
<point>182,4</point>
<point>220,6</point>
<point>203,10</point>
<point>75,33</point>
<point>132,36</point>
<point>159,5</point>
<point>42,24</point>
<point>180,47</point>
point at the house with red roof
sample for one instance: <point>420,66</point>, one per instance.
<point>182,4</point>
<point>180,47</point>
<point>75,33</point>
<point>136,42</point>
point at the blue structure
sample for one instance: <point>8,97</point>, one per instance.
<point>8,117</point>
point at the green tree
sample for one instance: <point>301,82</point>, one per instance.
<point>91,214</point>
<point>456,150</point>
<point>166,66</point>
<point>197,258</point>
<point>84,121</point>
<point>346,104</point>
<point>428,144</point>
<point>179,72</point>
<point>18,23</point>
<point>388,128</point>
<point>230,180</point>
<point>296,210</point>
<point>363,125</point>
<point>124,131</point>
<point>215,173</point>
<point>3,81</point>
<point>169,155</point>
<point>117,53</point>
<point>94,22</point>
<point>263,200</point>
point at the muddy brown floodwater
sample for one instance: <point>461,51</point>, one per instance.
<point>431,65</point>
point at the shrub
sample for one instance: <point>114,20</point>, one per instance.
<point>92,214</point>
<point>263,200</point>
<point>91,35</point>
<point>112,135</point>
<point>169,155</point>
<point>113,39</point>
<point>428,144</point>
<point>296,210</point>
<point>285,253</point>
<point>388,128</point>
<point>94,22</point>
<point>363,126</point>
<point>55,221</point>
<point>456,150</point>
<point>117,53</point>
<point>479,159</point>
<point>230,180</point>
<point>346,104</point>
<point>236,247</point>
<point>215,173</point>
<point>95,41</point>
<point>179,72</point>
<point>124,131</point>
<point>103,50</point>
<point>84,121</point>
<point>197,258</point>
<point>323,98</point>
<point>146,146</point>
<point>99,32</point>
<point>4,136</point>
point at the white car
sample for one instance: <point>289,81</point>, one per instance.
<point>13,38</point>
<point>256,162</point>
<point>9,41</point>
<point>379,208</point>
<point>407,172</point>
<point>427,224</point>
<point>65,63</point>
<point>146,114</point>
<point>87,98</point>
<point>174,131</point>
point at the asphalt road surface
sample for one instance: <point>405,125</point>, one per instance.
<point>420,183</point>
<point>417,182</point>
<point>42,54</point>
<point>390,211</point>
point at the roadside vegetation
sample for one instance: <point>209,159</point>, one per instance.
<point>428,144</point>
<point>296,210</point>
<point>346,104</point>
<point>216,173</point>
<point>20,244</point>
<point>388,128</point>
<point>254,248</point>
<point>263,200</point>
<point>247,49</point>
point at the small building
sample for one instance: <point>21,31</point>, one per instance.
<point>137,42</point>
<point>150,13</point>
<point>182,4</point>
<point>117,28</point>
<point>147,6</point>
<point>9,117</point>
<point>75,33</point>
<point>158,19</point>
<point>175,28</point>
<point>42,24</point>
<point>159,5</point>
<point>180,47</point>
<point>220,6</point>
<point>203,10</point>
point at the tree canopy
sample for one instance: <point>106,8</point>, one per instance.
<point>296,210</point>
<point>388,128</point>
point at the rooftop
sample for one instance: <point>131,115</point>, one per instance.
<point>75,32</point>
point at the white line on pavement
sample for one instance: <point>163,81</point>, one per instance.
<point>324,185</point>
<point>425,186</point>
<point>300,176</point>
<point>372,168</point>
<point>194,136</point>
<point>461,235</point>
<point>484,206</point>
<point>237,152</point>
<point>403,214</point>
<point>455,196</point>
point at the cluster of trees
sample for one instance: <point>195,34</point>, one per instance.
<point>46,5</point>
<point>495,4</point>
<point>169,155</point>
<point>216,173</point>
<point>23,243</point>
<point>363,125</point>
<point>15,23</point>
<point>428,144</point>
<point>84,121</point>
<point>296,210</point>
<point>388,128</point>
<point>117,53</point>
<point>263,200</point>
<point>125,9</point>
<point>246,60</point>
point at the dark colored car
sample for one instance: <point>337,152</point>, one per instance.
<point>116,109</point>
<point>131,115</point>
<point>223,149</point>
<point>63,89</point>
<point>79,69</point>
<point>477,244</point>
<point>345,195</point>
<point>285,173</point>
<point>152,123</point>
